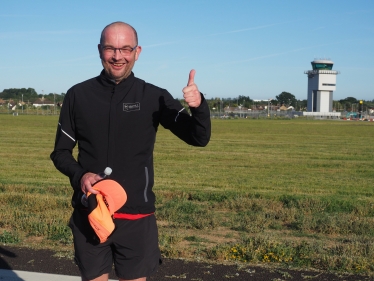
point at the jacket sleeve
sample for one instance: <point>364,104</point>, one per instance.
<point>65,142</point>
<point>194,129</point>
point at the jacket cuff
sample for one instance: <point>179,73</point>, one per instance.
<point>202,110</point>
<point>75,180</point>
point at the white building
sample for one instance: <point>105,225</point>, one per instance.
<point>321,84</point>
<point>42,102</point>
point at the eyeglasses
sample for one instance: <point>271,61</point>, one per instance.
<point>124,51</point>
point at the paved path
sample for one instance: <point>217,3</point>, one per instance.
<point>23,264</point>
<point>18,275</point>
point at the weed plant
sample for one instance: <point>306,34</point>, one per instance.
<point>295,193</point>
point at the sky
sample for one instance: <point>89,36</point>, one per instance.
<point>255,48</point>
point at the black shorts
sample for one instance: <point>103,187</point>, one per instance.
<point>132,247</point>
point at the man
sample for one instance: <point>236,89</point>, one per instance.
<point>114,119</point>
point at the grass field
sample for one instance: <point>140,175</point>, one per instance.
<point>297,193</point>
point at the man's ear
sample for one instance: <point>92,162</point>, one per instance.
<point>99,49</point>
<point>138,51</point>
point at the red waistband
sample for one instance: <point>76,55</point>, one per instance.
<point>130,216</point>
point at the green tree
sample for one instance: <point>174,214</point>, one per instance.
<point>286,99</point>
<point>16,94</point>
<point>28,94</point>
<point>245,101</point>
<point>347,103</point>
<point>301,105</point>
<point>349,99</point>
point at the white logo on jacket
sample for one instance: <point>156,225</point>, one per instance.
<point>131,106</point>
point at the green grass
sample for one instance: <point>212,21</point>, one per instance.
<point>278,156</point>
<point>295,193</point>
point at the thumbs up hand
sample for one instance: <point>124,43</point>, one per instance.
<point>191,93</point>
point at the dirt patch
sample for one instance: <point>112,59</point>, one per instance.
<point>18,258</point>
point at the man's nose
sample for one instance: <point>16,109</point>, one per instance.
<point>117,54</point>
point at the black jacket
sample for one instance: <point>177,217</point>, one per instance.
<point>115,126</point>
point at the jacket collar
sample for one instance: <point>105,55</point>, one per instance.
<point>106,82</point>
<point>118,91</point>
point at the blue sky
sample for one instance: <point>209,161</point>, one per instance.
<point>251,48</point>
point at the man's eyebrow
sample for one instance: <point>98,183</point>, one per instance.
<point>125,46</point>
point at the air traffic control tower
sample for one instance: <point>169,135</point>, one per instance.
<point>321,84</point>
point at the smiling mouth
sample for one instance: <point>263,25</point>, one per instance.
<point>118,64</point>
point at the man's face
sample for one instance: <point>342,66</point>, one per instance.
<point>117,65</point>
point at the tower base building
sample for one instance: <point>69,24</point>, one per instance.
<point>321,85</point>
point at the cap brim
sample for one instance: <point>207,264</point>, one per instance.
<point>113,192</point>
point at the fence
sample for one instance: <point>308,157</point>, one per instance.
<point>44,110</point>
<point>257,114</point>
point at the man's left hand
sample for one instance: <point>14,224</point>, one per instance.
<point>191,93</point>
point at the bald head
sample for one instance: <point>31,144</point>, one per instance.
<point>118,50</point>
<point>118,24</point>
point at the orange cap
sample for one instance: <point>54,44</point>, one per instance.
<point>113,193</point>
<point>102,206</point>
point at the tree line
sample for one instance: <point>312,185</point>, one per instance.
<point>28,95</point>
<point>287,99</point>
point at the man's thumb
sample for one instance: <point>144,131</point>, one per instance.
<point>191,77</point>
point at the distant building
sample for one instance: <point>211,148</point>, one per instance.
<point>42,102</point>
<point>321,85</point>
